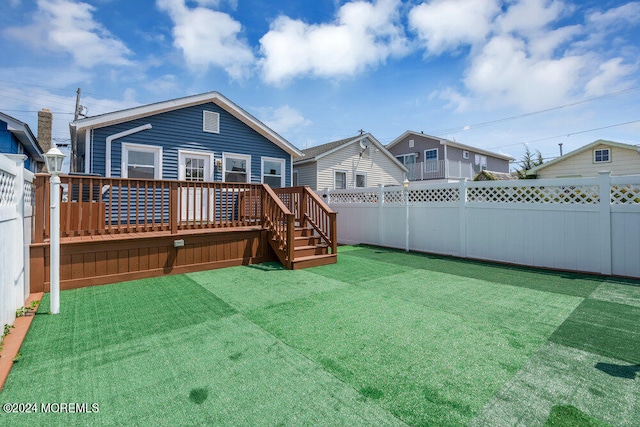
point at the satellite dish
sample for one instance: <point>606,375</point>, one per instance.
<point>364,143</point>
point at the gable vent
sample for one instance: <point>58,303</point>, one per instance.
<point>211,122</point>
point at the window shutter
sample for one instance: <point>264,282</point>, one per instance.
<point>211,122</point>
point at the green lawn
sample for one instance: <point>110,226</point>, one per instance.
<point>380,338</point>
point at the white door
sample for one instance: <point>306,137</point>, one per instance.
<point>194,201</point>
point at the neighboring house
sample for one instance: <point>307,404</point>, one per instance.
<point>356,162</point>
<point>17,138</point>
<point>202,137</point>
<point>587,161</point>
<point>431,158</point>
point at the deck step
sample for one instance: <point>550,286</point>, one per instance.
<point>306,241</point>
<point>314,261</point>
<point>304,251</point>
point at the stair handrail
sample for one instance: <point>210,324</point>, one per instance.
<point>321,217</point>
<point>280,224</point>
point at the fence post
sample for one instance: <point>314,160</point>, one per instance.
<point>604,186</point>
<point>380,214</point>
<point>462,214</point>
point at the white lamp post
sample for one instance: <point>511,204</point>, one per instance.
<point>54,159</point>
<point>405,189</point>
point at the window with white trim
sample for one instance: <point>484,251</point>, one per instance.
<point>237,167</point>
<point>195,165</point>
<point>141,161</point>
<point>431,155</point>
<point>361,180</point>
<point>210,121</point>
<point>273,172</point>
<point>602,155</point>
<point>407,159</point>
<point>340,180</point>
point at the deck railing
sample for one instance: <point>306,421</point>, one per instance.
<point>97,206</point>
<point>280,222</point>
<point>311,210</point>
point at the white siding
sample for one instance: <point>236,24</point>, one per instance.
<point>306,174</point>
<point>379,168</point>
<point>623,162</point>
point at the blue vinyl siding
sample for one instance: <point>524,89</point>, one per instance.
<point>9,144</point>
<point>182,130</point>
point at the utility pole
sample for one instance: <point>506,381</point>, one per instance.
<point>74,139</point>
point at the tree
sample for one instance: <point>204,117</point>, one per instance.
<point>529,161</point>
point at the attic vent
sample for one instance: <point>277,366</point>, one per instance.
<point>210,122</point>
<point>411,143</point>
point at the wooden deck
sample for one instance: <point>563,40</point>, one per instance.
<point>176,227</point>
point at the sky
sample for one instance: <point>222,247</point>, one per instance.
<point>497,75</point>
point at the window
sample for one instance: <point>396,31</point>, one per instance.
<point>361,180</point>
<point>465,154</point>
<point>141,161</point>
<point>407,159</point>
<point>601,156</point>
<point>480,163</point>
<point>210,122</point>
<point>431,155</point>
<point>340,180</point>
<point>237,167</point>
<point>273,172</point>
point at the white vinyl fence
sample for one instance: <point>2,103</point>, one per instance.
<point>16,210</point>
<point>580,224</point>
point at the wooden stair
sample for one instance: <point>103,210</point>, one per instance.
<point>309,250</point>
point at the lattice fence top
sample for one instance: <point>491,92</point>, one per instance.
<point>396,196</point>
<point>7,189</point>
<point>626,194</point>
<point>434,195</point>
<point>571,194</point>
<point>29,193</point>
<point>354,197</point>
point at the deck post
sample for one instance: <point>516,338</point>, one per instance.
<point>173,207</point>
<point>304,200</point>
<point>291,218</point>
<point>333,226</point>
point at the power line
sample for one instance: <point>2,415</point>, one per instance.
<point>568,134</point>
<point>519,116</point>
<point>36,111</point>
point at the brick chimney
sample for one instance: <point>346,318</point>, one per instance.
<point>44,129</point>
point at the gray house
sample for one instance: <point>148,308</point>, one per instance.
<point>356,162</point>
<point>431,158</point>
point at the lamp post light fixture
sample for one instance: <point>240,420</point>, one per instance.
<point>405,190</point>
<point>54,159</point>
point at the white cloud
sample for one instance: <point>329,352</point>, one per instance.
<point>363,35</point>
<point>448,24</point>
<point>629,12</point>
<point>612,76</point>
<point>69,27</point>
<point>529,16</point>
<point>505,74</point>
<point>208,38</point>
<point>283,119</point>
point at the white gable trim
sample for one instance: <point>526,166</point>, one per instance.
<point>175,104</point>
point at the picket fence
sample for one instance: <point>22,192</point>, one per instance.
<point>576,224</point>
<point>16,210</point>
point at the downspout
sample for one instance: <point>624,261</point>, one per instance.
<point>107,172</point>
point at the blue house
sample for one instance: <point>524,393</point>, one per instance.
<point>202,137</point>
<point>17,138</point>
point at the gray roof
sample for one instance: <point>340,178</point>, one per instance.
<point>312,152</point>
